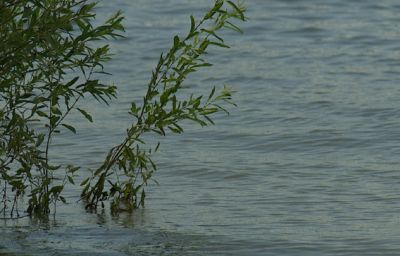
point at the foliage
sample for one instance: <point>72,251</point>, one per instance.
<point>49,57</point>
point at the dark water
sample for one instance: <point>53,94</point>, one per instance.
<point>306,165</point>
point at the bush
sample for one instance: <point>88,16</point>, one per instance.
<point>50,53</point>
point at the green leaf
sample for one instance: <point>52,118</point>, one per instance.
<point>69,127</point>
<point>63,199</point>
<point>56,110</point>
<point>209,111</point>
<point>233,27</point>
<point>176,42</point>
<point>71,180</point>
<point>211,32</point>
<point>72,169</point>
<point>158,145</point>
<point>72,82</point>
<point>85,114</point>
<point>175,128</point>
<point>240,12</point>
<point>192,24</point>
<point>217,6</point>
<point>40,139</point>
<point>56,189</point>
<point>42,114</point>
<point>219,44</point>
<point>53,121</point>
<point>53,167</point>
<point>84,182</point>
<point>202,65</point>
<point>211,94</point>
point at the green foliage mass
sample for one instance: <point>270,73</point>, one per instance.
<point>50,53</point>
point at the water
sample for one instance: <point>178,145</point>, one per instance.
<point>306,165</point>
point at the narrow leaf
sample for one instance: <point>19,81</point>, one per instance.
<point>211,94</point>
<point>234,6</point>
<point>71,180</point>
<point>86,115</point>
<point>69,127</point>
<point>219,44</point>
<point>83,183</point>
<point>192,24</point>
<point>233,27</point>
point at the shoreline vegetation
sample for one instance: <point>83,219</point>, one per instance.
<point>50,54</point>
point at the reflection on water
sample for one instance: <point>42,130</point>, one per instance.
<point>99,234</point>
<point>306,165</point>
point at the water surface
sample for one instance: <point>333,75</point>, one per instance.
<point>306,165</point>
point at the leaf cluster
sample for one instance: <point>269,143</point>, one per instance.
<point>47,61</point>
<point>128,167</point>
<point>50,55</point>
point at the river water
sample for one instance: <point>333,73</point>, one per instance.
<point>307,164</point>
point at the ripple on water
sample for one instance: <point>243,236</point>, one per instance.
<point>307,164</point>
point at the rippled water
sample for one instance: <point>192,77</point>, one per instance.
<point>306,165</point>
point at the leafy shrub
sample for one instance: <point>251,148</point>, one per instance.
<point>50,53</point>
